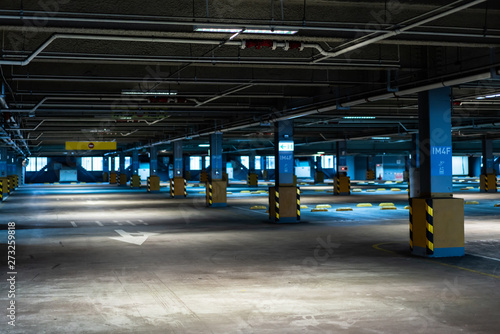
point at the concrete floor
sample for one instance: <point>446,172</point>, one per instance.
<point>227,270</point>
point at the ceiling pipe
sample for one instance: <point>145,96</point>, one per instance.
<point>14,124</point>
<point>397,29</point>
<point>355,27</point>
<point>241,44</point>
<point>444,83</point>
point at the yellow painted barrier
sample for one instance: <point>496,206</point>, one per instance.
<point>381,189</point>
<point>386,204</point>
<point>344,209</point>
<point>471,202</point>
<point>319,210</point>
<point>371,190</point>
<point>245,191</point>
<point>395,189</point>
<point>323,206</point>
<point>388,208</point>
<point>497,205</point>
<point>356,190</point>
<point>303,206</point>
<point>407,207</point>
<point>258,207</point>
<point>364,205</point>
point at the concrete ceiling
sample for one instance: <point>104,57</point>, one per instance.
<point>66,64</point>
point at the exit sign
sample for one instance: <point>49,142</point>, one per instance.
<point>285,146</point>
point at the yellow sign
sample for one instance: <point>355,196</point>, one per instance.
<point>90,145</point>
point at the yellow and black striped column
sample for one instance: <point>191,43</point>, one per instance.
<point>277,204</point>
<point>436,227</point>
<point>1,190</point>
<point>488,183</point>
<point>411,225</point>
<point>298,203</point>
<point>429,227</point>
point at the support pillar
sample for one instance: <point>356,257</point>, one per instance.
<point>341,182</point>
<point>488,180</point>
<point>4,180</point>
<point>370,168</point>
<point>436,218</point>
<point>319,175</point>
<point>252,179</point>
<point>113,176</point>
<point>12,171</point>
<point>105,169</point>
<point>414,180</point>
<point>135,180</point>
<point>122,178</point>
<point>216,186</point>
<point>284,197</point>
<point>153,179</point>
<point>178,185</point>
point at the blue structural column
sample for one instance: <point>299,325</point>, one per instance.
<point>178,161</point>
<point>105,169</point>
<point>488,182</point>
<point>122,180</point>
<point>341,182</point>
<point>3,162</point>
<point>370,168</point>
<point>178,182</point>
<point>135,180</point>
<point>4,181</point>
<point>414,179</point>
<point>436,218</point>
<point>153,182</point>
<point>153,161</point>
<point>252,178</point>
<point>284,197</point>
<point>113,176</point>
<point>216,188</point>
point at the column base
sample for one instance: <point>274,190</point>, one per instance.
<point>122,179</point>
<point>178,187</point>
<point>342,185</point>
<point>319,177</point>
<point>252,180</point>
<point>113,178</point>
<point>488,183</point>
<point>437,227</point>
<point>153,184</point>
<point>284,204</point>
<point>216,194</point>
<point>135,182</point>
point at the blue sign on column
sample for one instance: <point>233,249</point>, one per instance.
<point>441,161</point>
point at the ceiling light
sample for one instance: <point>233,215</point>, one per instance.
<point>321,152</point>
<point>246,31</point>
<point>204,145</point>
<point>487,97</point>
<point>147,92</point>
<point>359,117</point>
<point>381,138</point>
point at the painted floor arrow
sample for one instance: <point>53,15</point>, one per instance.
<point>132,239</point>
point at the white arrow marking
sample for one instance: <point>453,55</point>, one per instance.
<point>132,239</point>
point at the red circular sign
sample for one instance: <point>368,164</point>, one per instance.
<point>91,145</point>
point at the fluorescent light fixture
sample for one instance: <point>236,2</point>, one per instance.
<point>246,31</point>
<point>152,92</point>
<point>359,117</point>
<point>381,138</point>
<point>321,152</point>
<point>487,97</point>
<point>204,145</point>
